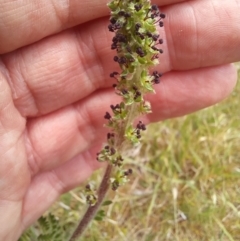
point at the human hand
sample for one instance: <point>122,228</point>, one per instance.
<point>55,88</point>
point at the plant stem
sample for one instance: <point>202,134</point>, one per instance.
<point>92,210</point>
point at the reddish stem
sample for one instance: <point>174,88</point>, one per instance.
<point>92,210</point>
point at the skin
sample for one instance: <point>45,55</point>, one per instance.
<point>55,87</point>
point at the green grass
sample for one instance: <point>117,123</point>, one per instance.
<point>185,186</point>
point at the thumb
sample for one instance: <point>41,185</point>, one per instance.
<point>14,176</point>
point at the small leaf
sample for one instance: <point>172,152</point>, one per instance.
<point>98,218</point>
<point>101,213</point>
<point>106,203</point>
<point>142,60</point>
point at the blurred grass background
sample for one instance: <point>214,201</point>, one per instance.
<point>185,185</point>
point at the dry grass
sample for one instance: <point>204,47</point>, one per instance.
<point>185,187</point>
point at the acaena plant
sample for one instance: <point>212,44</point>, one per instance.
<point>138,45</point>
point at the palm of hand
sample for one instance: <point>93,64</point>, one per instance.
<point>53,94</point>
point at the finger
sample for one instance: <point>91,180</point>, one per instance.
<point>14,176</point>
<point>48,186</point>
<point>47,76</point>
<point>25,22</point>
<point>185,92</point>
<point>11,144</point>
<point>202,33</point>
<point>58,137</point>
<point>68,131</point>
<point>59,70</point>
